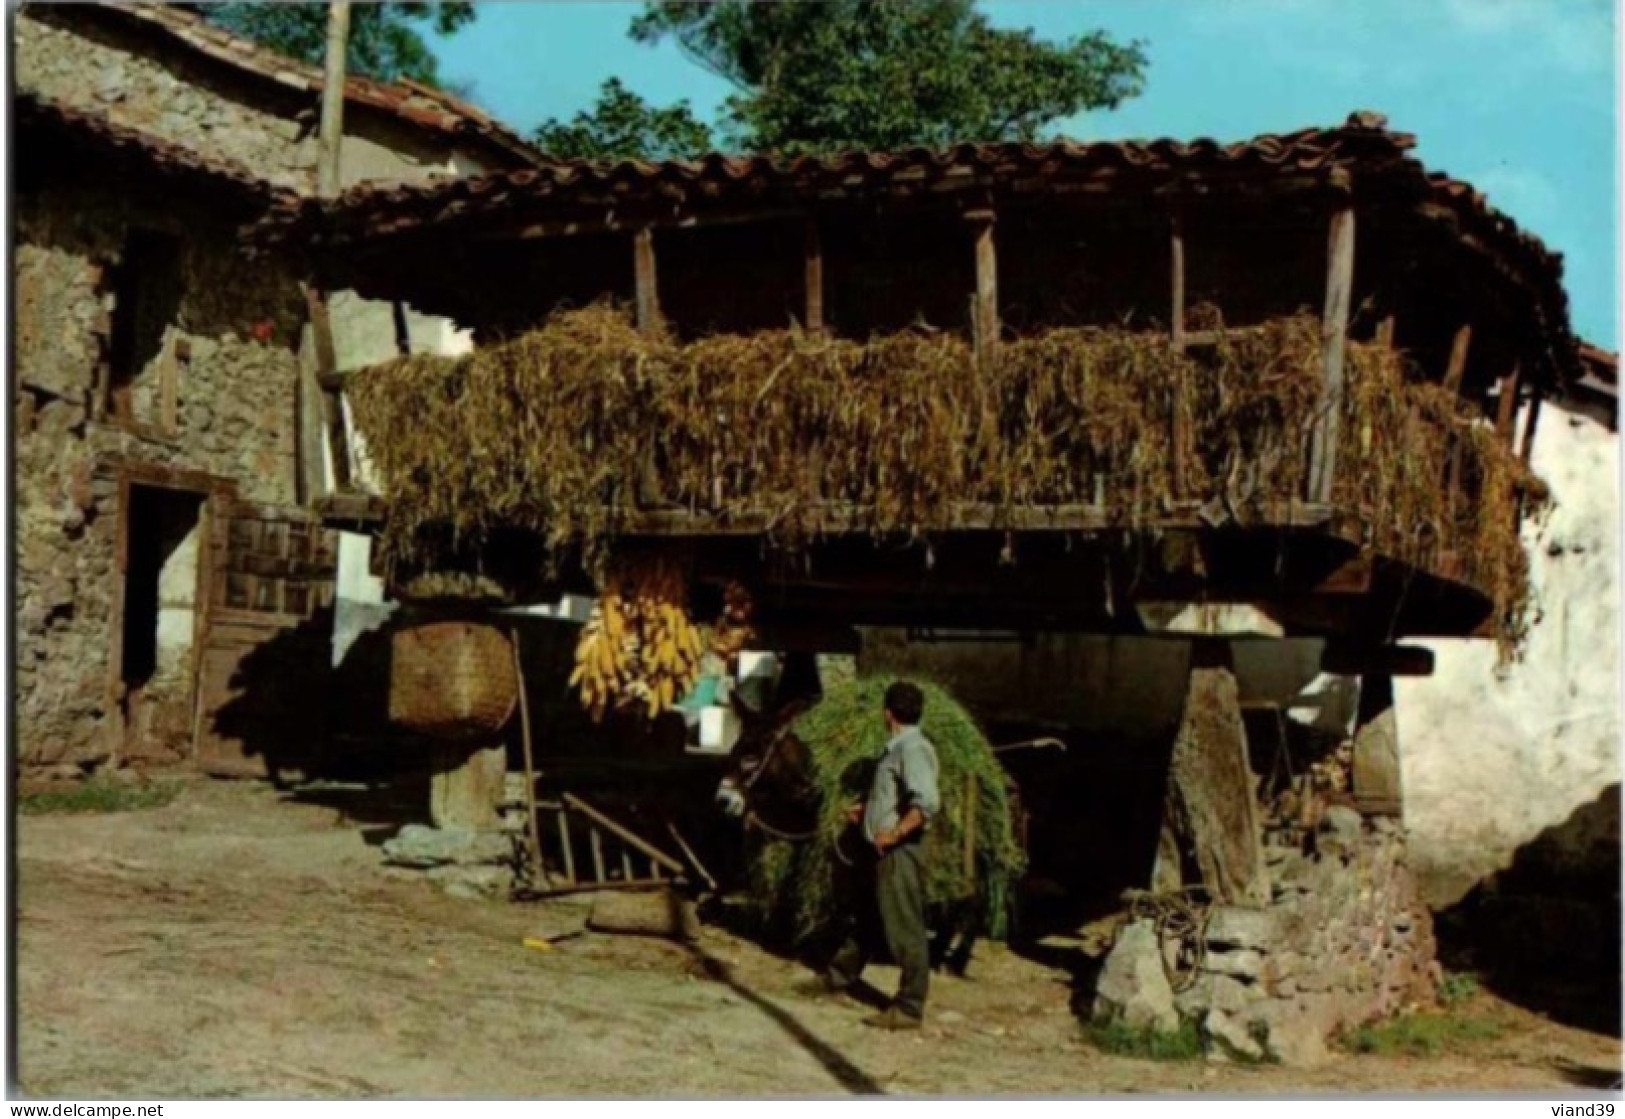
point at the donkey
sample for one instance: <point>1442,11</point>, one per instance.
<point>768,785</point>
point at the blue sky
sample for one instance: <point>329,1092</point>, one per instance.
<point>1515,96</point>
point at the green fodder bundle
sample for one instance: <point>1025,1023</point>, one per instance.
<point>794,884</point>
<point>565,430</point>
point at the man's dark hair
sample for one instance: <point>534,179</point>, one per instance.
<point>906,703</point>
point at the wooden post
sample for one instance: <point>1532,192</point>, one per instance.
<point>1458,358</point>
<point>332,408</point>
<point>985,313</point>
<point>1211,804</point>
<point>1452,382</point>
<point>1176,313</point>
<point>1528,447</point>
<point>1333,341</point>
<point>1507,413</point>
<point>403,335</point>
<point>329,139</point>
<point>564,844</point>
<point>813,274</point>
<point>534,827</point>
<point>1376,748</point>
<point>647,291</point>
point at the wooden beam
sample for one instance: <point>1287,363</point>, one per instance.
<point>1507,414</point>
<point>1528,447</point>
<point>985,319</point>
<point>643,268</point>
<point>1176,317</point>
<point>1342,659</point>
<point>813,275</point>
<point>1333,340</point>
<point>654,854</point>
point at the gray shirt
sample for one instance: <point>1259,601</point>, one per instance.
<point>905,778</point>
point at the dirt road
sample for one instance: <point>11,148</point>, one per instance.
<point>236,943</point>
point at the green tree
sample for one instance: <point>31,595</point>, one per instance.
<point>623,125</point>
<point>886,74</point>
<point>386,40</point>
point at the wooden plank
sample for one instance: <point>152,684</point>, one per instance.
<point>644,279</point>
<point>1507,414</point>
<point>813,275</point>
<point>1528,447</point>
<point>985,321</point>
<point>967,517</point>
<point>1333,339</point>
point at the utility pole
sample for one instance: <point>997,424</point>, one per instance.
<point>320,412</point>
<point>331,136</point>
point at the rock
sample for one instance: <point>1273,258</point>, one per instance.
<point>417,845</point>
<point>1229,1039</point>
<point>1232,995</point>
<point>1244,963</point>
<point>1133,986</point>
<point>1343,824</point>
<point>1232,926</point>
<point>472,881</point>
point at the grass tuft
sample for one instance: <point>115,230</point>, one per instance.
<point>1420,1035</point>
<point>98,795</point>
<point>1145,1042</point>
<point>1457,988</point>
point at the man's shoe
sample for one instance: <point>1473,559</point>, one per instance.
<point>893,1019</point>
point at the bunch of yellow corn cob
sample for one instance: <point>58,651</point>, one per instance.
<point>638,649</point>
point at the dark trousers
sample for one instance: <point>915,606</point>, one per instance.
<point>896,903</point>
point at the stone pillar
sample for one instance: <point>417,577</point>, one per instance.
<point>1376,748</point>
<point>466,790</point>
<point>1211,805</point>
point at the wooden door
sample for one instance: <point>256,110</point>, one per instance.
<point>265,669</point>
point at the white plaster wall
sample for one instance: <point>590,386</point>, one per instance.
<point>177,613</point>
<point>1491,760</point>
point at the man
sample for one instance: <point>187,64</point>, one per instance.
<point>902,799</point>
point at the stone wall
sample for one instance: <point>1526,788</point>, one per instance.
<point>185,100</point>
<point>1345,940</point>
<point>234,420</point>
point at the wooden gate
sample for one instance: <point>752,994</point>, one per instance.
<point>263,676</point>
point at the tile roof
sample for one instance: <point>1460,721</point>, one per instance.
<point>92,131</point>
<point>1361,148</point>
<point>416,104</point>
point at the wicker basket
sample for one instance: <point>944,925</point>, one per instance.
<point>452,680</point>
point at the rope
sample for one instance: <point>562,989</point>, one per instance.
<point>1179,918</point>
<point>753,820</point>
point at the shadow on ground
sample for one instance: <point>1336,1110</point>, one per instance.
<point>1545,932</point>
